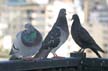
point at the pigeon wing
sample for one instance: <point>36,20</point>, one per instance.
<point>84,36</point>
<point>13,50</point>
<point>53,38</point>
<point>51,41</point>
<point>89,40</point>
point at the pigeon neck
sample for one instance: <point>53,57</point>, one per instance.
<point>61,20</point>
<point>76,22</point>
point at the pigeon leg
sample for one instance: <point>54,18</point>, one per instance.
<point>56,56</point>
<point>28,58</point>
<point>80,50</point>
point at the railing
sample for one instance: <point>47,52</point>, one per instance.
<point>62,64</point>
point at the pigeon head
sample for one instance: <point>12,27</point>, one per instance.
<point>29,26</point>
<point>75,17</point>
<point>62,12</point>
<point>30,35</point>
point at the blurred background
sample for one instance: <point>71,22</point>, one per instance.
<point>42,14</point>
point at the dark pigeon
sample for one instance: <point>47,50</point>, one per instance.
<point>56,37</point>
<point>82,37</point>
<point>27,43</point>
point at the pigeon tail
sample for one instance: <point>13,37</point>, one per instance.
<point>96,52</point>
<point>99,49</point>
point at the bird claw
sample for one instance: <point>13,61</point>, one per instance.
<point>28,58</point>
<point>31,59</point>
<point>58,57</point>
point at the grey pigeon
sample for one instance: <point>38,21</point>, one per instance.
<point>82,37</point>
<point>27,43</point>
<point>56,37</point>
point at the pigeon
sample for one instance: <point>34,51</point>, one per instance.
<point>56,36</point>
<point>82,37</point>
<point>27,43</point>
